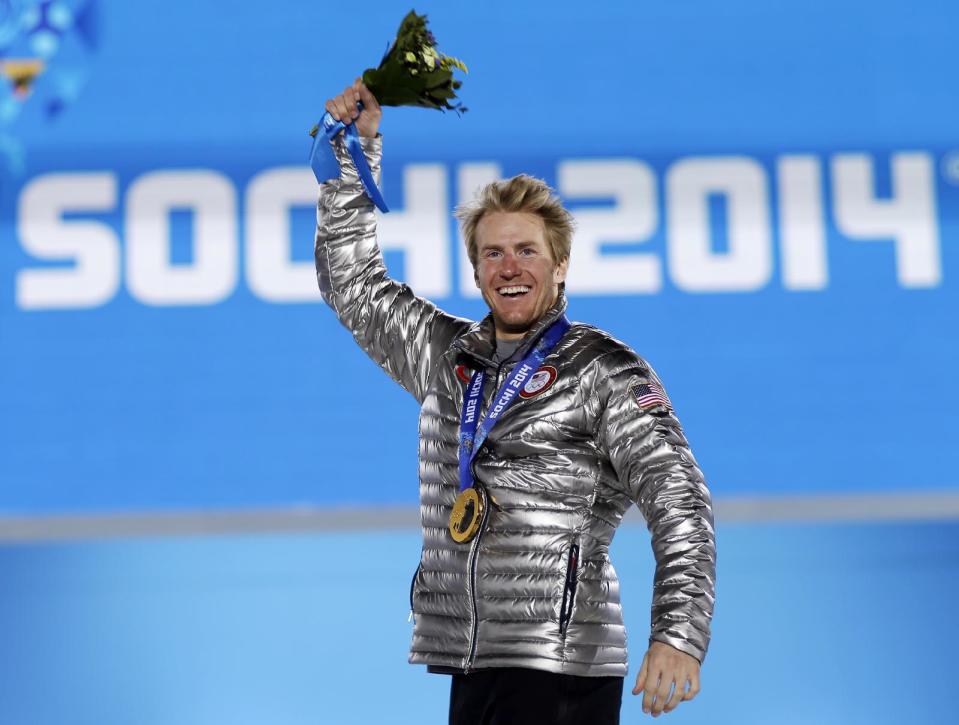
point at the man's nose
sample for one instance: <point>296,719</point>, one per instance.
<point>509,267</point>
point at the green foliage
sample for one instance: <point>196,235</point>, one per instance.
<point>413,72</point>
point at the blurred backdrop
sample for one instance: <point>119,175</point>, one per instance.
<point>192,449</point>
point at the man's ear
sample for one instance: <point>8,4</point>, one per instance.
<point>559,273</point>
<point>476,278</point>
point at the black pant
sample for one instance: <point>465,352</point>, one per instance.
<point>513,695</point>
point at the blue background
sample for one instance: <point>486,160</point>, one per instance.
<point>248,404</point>
<point>237,404</point>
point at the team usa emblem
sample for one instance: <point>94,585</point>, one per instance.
<point>540,381</point>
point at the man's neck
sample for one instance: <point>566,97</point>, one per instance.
<point>506,349</point>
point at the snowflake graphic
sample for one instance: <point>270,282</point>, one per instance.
<point>45,46</point>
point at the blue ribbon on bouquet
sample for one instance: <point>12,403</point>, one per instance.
<point>323,160</point>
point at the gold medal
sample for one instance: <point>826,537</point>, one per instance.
<point>467,516</point>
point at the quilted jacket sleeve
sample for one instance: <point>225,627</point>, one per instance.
<point>656,469</point>
<point>404,334</point>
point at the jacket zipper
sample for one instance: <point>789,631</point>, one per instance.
<point>412,587</point>
<point>569,589</point>
<point>471,588</point>
<point>474,551</point>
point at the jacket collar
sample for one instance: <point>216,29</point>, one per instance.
<point>479,341</point>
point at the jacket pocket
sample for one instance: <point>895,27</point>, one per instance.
<point>569,589</point>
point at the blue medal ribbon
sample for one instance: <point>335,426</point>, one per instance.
<point>324,163</point>
<point>473,432</point>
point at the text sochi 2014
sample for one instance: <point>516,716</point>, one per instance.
<point>778,211</point>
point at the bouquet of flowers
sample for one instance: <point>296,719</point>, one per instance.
<point>412,73</point>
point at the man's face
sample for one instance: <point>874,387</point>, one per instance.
<point>515,270</point>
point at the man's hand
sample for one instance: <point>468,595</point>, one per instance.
<point>665,668</point>
<point>343,108</point>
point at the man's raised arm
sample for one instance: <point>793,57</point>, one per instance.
<point>401,332</point>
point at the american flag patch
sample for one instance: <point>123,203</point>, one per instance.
<point>649,395</point>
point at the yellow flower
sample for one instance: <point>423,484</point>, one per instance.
<point>449,61</point>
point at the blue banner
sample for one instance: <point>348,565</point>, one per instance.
<point>772,222</point>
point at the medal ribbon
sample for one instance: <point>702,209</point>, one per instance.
<point>325,166</point>
<point>473,432</point>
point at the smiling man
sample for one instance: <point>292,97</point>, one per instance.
<point>536,435</point>
<point>515,266</point>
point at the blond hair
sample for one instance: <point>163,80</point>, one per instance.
<point>522,193</point>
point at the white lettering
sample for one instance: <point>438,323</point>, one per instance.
<point>802,233</point>
<point>81,259</point>
<point>92,246</point>
<point>632,219</point>
<point>470,179</point>
<point>269,270</point>
<point>503,401</point>
<point>520,377</point>
<point>909,217</point>
<point>421,230</point>
<point>151,276</point>
<point>693,265</point>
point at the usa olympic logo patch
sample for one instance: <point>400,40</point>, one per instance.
<point>541,381</point>
<point>463,373</point>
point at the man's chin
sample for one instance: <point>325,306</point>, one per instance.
<point>513,325</point>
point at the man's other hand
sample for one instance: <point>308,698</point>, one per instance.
<point>344,108</point>
<point>666,678</point>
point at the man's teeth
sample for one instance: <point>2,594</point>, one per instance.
<point>513,290</point>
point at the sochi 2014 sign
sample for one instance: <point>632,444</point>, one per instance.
<point>722,224</point>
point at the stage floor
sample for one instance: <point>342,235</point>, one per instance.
<point>829,623</point>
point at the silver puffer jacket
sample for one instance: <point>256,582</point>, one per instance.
<point>536,587</point>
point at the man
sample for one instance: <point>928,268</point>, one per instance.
<point>536,435</point>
